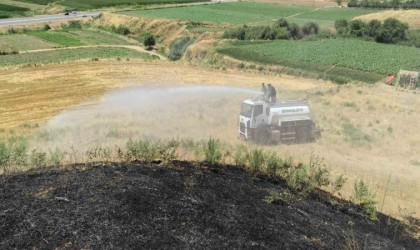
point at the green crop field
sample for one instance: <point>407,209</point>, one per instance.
<point>62,55</point>
<point>7,11</point>
<point>18,42</point>
<point>235,13</point>
<point>92,4</point>
<point>345,57</point>
<point>59,37</point>
<point>81,37</point>
<point>246,12</point>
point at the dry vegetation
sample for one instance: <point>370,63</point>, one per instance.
<point>369,132</point>
<point>412,17</point>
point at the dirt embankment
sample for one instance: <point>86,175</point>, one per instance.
<point>181,206</point>
<point>166,30</point>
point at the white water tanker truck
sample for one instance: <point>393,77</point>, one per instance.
<point>280,122</point>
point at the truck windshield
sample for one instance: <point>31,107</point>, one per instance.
<point>246,110</point>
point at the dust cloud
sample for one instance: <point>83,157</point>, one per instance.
<point>146,112</point>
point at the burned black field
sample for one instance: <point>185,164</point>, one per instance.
<point>182,206</point>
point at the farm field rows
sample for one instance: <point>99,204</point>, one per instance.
<point>19,42</point>
<point>245,12</point>
<point>346,53</point>
<point>91,4</point>
<point>34,40</point>
<point>63,55</point>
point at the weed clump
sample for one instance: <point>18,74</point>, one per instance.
<point>178,47</point>
<point>256,160</point>
<point>241,155</point>
<point>212,154</point>
<point>363,196</point>
<point>38,158</point>
<point>142,150</point>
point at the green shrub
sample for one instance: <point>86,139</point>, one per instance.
<point>121,29</point>
<point>303,179</point>
<point>272,197</point>
<point>38,158</point>
<point>12,31</point>
<point>310,28</point>
<point>390,31</point>
<point>273,163</point>
<point>72,25</point>
<point>365,198</point>
<point>212,154</point>
<point>18,150</point>
<point>357,28</point>
<point>149,41</point>
<point>98,153</point>
<point>168,151</point>
<point>56,157</point>
<point>46,27</point>
<point>178,47</point>
<point>241,154</point>
<point>139,150</point>
<point>4,154</point>
<point>338,184</point>
<point>235,33</point>
<point>256,160</point>
<point>319,175</point>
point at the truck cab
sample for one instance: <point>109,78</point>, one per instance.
<point>287,121</point>
<point>252,115</point>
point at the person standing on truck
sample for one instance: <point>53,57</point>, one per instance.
<point>271,93</point>
<point>264,91</point>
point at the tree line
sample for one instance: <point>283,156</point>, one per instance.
<point>384,4</point>
<point>389,31</point>
<point>281,29</point>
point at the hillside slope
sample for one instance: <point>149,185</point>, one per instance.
<point>182,206</point>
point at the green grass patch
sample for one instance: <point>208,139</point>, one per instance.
<point>77,37</point>
<point>356,59</point>
<point>91,4</point>
<point>59,37</point>
<point>234,13</point>
<point>252,13</point>
<point>62,55</point>
<point>7,11</point>
<point>41,2</point>
<point>19,42</point>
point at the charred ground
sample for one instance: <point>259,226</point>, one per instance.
<point>182,206</point>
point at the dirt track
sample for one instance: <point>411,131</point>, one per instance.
<point>183,207</point>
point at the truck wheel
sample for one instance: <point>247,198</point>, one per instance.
<point>304,136</point>
<point>262,136</point>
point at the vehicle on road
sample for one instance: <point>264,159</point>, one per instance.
<point>287,122</point>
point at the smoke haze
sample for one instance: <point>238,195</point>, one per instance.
<point>156,113</point>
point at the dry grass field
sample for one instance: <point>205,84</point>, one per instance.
<point>369,132</point>
<point>412,17</point>
<point>19,42</point>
